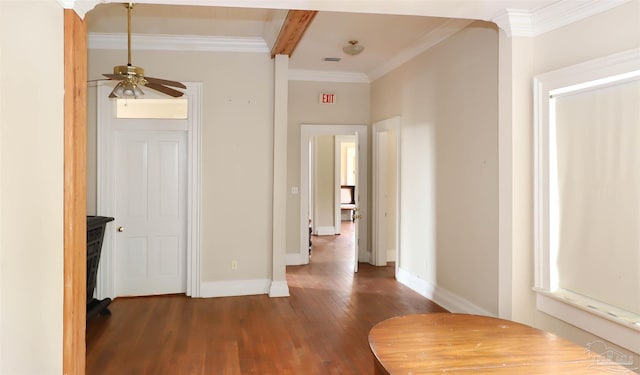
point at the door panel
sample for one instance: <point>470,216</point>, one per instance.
<point>356,214</point>
<point>150,205</point>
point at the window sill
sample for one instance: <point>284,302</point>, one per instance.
<point>617,326</point>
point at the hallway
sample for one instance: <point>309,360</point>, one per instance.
<point>321,328</point>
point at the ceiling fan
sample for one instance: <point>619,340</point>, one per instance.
<point>131,78</point>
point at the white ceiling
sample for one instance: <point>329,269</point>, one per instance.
<point>386,37</point>
<point>179,20</point>
<point>383,36</point>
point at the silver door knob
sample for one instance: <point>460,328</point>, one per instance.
<point>120,229</point>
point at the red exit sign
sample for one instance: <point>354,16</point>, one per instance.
<point>327,98</point>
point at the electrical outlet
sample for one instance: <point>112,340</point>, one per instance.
<point>234,264</point>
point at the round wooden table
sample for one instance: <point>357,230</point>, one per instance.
<point>461,344</point>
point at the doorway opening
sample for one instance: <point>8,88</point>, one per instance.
<point>166,255</point>
<point>345,181</point>
<point>327,219</point>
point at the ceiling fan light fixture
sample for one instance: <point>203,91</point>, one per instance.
<point>353,48</point>
<point>127,89</point>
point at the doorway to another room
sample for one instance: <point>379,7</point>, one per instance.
<point>146,168</point>
<point>333,190</point>
<point>346,167</point>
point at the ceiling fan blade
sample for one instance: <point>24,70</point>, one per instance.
<point>115,76</point>
<point>164,89</point>
<point>165,82</point>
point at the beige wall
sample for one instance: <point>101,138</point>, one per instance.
<point>613,31</point>
<point>324,165</point>
<point>237,151</point>
<point>352,108</point>
<point>31,187</point>
<point>447,98</point>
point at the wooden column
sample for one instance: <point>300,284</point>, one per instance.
<point>75,193</point>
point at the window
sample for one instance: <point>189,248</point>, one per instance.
<point>587,187</point>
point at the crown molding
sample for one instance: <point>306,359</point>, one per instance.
<point>565,12</point>
<point>81,7</point>
<point>435,36</point>
<point>515,22</point>
<point>519,22</point>
<point>327,76</point>
<point>178,43</point>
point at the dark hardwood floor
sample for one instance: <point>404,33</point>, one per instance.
<point>321,328</point>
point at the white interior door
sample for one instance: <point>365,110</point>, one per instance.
<point>380,196</point>
<point>357,216</point>
<point>386,192</point>
<point>150,212</point>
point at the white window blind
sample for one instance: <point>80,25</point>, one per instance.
<point>597,192</point>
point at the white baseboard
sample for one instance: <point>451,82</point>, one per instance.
<point>418,285</point>
<point>234,288</point>
<point>295,259</point>
<point>448,300</point>
<point>325,231</point>
<point>279,289</point>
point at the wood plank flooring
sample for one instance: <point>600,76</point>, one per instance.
<point>321,328</point>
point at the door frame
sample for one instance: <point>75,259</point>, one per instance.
<point>306,132</point>
<point>379,253</point>
<point>105,197</point>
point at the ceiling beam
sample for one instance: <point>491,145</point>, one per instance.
<point>292,30</point>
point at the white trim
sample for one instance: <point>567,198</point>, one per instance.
<point>413,282</point>
<point>81,7</point>
<point>337,168</point>
<point>279,166</point>
<point>556,15</point>
<point>515,22</point>
<point>194,184</point>
<point>105,197</point>
<point>589,320</point>
<point>279,289</point>
<point>521,22</point>
<point>159,42</point>
<point>325,231</point>
<point>449,300</point>
<point>306,132</point>
<point>435,36</point>
<point>294,259</point>
<point>379,254</point>
<point>105,192</point>
<point>231,288</point>
<point>327,76</point>
<point>565,12</point>
<point>549,299</point>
